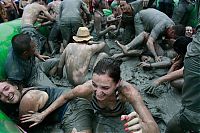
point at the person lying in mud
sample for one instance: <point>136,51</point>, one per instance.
<point>148,62</point>
<point>110,98</point>
<point>32,12</point>
<point>175,73</point>
<point>139,44</point>
<point>21,66</point>
<point>161,25</point>
<point>77,57</point>
<point>75,114</point>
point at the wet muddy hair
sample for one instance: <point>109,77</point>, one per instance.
<point>180,45</point>
<point>21,43</point>
<point>179,30</point>
<point>109,66</point>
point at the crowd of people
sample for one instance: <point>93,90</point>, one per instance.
<point>76,50</point>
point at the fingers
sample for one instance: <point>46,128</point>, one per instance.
<point>31,112</point>
<point>134,128</point>
<point>26,120</point>
<point>133,123</point>
<point>33,125</point>
<point>123,117</point>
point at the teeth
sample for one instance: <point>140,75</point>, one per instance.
<point>11,96</point>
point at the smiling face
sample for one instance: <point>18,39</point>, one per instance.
<point>188,31</point>
<point>104,86</point>
<point>9,93</point>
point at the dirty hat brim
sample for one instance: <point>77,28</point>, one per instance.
<point>80,39</point>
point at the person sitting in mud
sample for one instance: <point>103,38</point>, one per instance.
<point>21,66</point>
<point>100,21</point>
<point>74,115</point>
<point>32,12</point>
<point>112,99</point>
<point>77,57</point>
<point>175,73</point>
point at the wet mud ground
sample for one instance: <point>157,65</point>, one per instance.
<point>162,106</point>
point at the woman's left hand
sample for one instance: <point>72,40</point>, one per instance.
<point>133,124</point>
<point>32,116</point>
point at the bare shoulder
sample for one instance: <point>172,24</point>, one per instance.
<point>84,90</point>
<point>34,95</point>
<point>128,89</point>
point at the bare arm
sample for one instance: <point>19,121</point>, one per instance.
<point>84,91</point>
<point>133,96</point>
<point>97,26</point>
<point>97,47</point>
<point>47,14</point>
<point>61,63</point>
<point>79,91</point>
<point>150,45</point>
<point>20,5</point>
<point>171,76</point>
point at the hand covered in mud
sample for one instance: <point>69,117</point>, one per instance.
<point>133,123</point>
<point>43,57</point>
<point>158,59</point>
<point>150,89</point>
<point>32,116</point>
<point>144,65</point>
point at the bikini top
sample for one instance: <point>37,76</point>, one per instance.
<point>118,109</point>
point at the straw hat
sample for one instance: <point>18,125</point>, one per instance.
<point>82,34</point>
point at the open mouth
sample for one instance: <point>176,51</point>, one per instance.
<point>10,96</point>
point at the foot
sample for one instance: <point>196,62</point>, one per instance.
<point>124,48</point>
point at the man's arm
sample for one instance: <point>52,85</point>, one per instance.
<point>61,64</point>
<point>47,14</point>
<point>97,47</point>
<point>150,46</point>
<point>97,26</point>
<point>133,96</point>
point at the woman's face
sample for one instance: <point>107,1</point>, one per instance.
<point>9,93</point>
<point>103,85</point>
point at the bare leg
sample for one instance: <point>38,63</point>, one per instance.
<point>129,53</point>
<point>123,47</point>
<point>138,40</point>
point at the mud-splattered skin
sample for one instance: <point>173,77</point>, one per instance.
<point>76,58</point>
<point>32,12</point>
